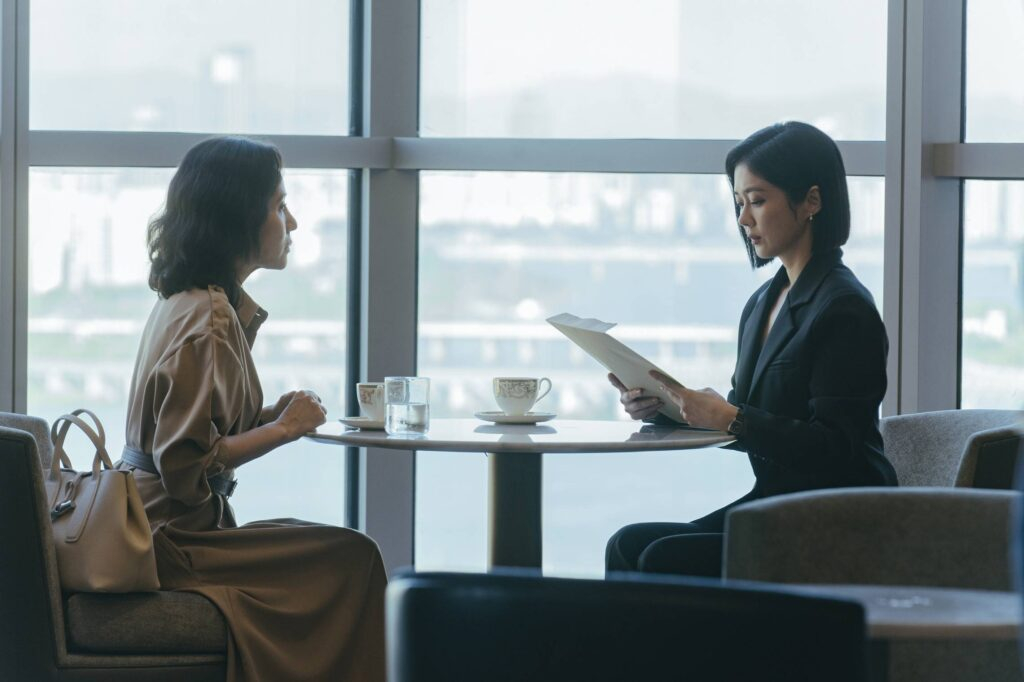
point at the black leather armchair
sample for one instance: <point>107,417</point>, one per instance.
<point>498,627</point>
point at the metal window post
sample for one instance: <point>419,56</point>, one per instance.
<point>13,204</point>
<point>389,262</point>
<point>931,207</point>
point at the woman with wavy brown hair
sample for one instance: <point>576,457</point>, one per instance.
<point>302,601</point>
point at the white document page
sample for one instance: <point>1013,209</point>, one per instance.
<point>629,366</point>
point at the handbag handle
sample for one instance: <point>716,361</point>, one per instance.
<point>95,420</point>
<point>59,431</point>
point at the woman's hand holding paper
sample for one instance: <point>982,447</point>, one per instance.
<point>636,404</point>
<point>705,408</point>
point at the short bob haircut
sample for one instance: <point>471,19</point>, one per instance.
<point>216,205</point>
<point>794,157</point>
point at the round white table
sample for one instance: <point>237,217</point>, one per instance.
<point>514,471</point>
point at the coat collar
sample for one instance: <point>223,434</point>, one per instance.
<point>811,278</point>
<point>250,315</point>
<point>753,358</point>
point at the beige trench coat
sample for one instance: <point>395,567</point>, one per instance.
<point>302,601</point>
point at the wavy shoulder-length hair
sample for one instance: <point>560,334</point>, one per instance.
<point>794,157</point>
<point>216,204</point>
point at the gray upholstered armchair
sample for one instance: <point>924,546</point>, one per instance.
<point>934,533</point>
<point>48,635</point>
<point>935,537</point>
<point>962,448</point>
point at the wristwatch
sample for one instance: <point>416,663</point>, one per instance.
<point>738,427</point>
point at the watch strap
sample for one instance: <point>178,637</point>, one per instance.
<point>738,425</point>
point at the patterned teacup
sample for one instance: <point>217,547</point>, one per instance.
<point>371,400</point>
<point>516,395</point>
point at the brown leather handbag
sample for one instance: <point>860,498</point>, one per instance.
<point>99,523</point>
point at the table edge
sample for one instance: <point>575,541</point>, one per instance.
<point>554,448</point>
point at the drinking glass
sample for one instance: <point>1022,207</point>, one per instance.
<point>408,405</point>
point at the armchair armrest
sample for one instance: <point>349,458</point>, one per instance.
<point>990,459</point>
<point>29,595</point>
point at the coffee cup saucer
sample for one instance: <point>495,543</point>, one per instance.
<point>499,417</point>
<point>364,423</point>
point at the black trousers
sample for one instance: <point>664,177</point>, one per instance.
<point>693,548</point>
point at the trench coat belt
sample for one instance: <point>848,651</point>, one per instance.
<point>220,484</point>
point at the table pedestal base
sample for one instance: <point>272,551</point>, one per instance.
<point>514,509</point>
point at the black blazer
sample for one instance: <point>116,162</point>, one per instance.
<point>811,395</point>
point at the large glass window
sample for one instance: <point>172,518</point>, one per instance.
<point>994,100</point>
<point>992,327</point>
<point>659,254</point>
<point>993,295</point>
<point>235,66</point>
<point>651,68</point>
<point>88,302</point>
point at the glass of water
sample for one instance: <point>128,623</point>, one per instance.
<point>408,405</point>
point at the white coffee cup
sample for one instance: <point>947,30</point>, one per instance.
<point>516,395</point>
<point>371,400</point>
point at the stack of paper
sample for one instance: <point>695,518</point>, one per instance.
<point>629,366</point>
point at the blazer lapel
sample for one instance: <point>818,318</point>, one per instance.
<point>778,337</point>
<point>799,295</point>
<point>750,345</point>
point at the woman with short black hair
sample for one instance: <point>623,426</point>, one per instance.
<point>810,369</point>
<point>301,600</point>
<point>796,157</point>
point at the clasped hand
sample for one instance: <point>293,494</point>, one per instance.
<point>298,412</point>
<point>705,408</point>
